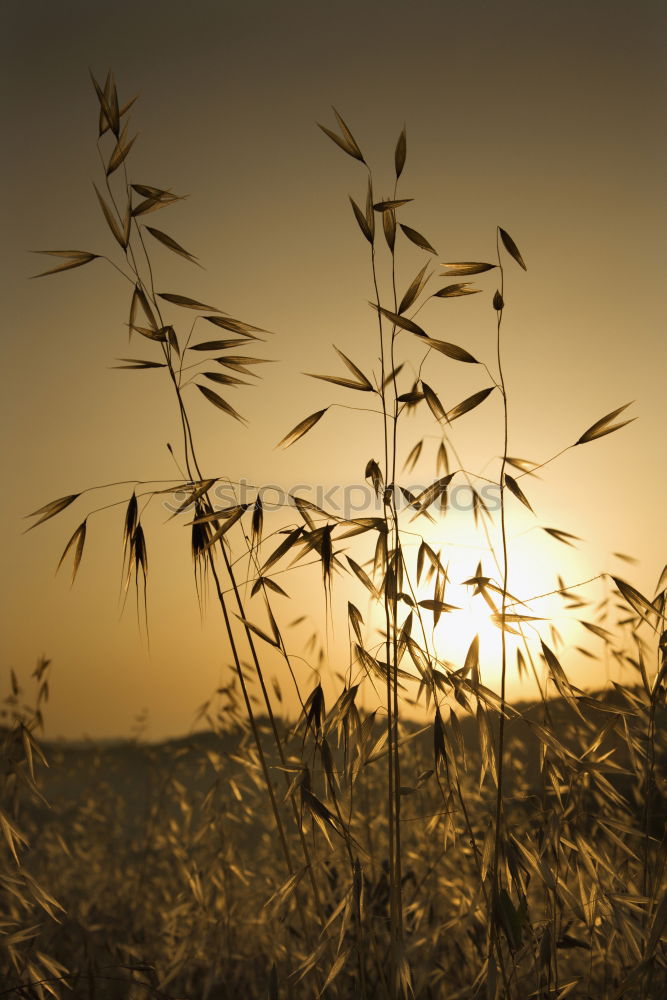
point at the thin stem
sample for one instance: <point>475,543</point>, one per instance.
<point>392,791</point>
<point>394,610</point>
<point>494,929</point>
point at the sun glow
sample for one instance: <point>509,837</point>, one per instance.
<point>472,616</point>
<point>476,609</point>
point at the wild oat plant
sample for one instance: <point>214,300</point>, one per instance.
<point>492,850</point>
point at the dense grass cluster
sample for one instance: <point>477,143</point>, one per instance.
<point>165,861</point>
<point>495,851</point>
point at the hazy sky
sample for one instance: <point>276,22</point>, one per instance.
<point>544,118</point>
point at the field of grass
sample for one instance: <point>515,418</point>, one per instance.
<point>167,866</point>
<point>490,850</point>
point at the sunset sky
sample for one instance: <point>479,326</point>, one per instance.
<point>543,118</point>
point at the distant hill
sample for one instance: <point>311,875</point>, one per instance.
<point>134,771</point>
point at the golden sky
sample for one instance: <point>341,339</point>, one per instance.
<point>543,118</point>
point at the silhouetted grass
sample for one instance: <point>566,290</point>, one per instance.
<point>498,850</point>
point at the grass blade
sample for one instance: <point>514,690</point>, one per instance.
<point>468,404</point>
<point>50,510</point>
<point>218,401</point>
<point>400,152</point>
<point>467,267</point>
<point>417,238</point>
<point>301,428</point>
<point>601,426</point>
<point>78,539</point>
<point>171,244</point>
<point>511,247</point>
